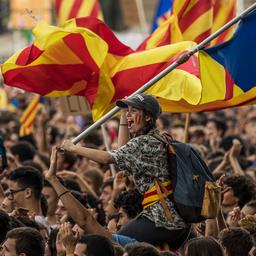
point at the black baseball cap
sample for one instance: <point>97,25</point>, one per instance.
<point>142,101</point>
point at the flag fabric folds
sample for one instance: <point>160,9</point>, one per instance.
<point>27,119</point>
<point>228,70</point>
<point>193,20</point>
<point>163,12</point>
<point>68,9</point>
<point>85,58</point>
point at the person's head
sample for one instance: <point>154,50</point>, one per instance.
<point>94,178</point>
<point>241,190</point>
<point>249,208</point>
<point>140,249</point>
<point>94,245</point>
<point>23,151</point>
<point>66,161</point>
<point>107,189</point>
<point>203,246</point>
<point>23,242</point>
<point>51,196</point>
<point>250,129</point>
<point>236,241</point>
<point>61,211</point>
<point>129,205</point>
<point>215,128</point>
<point>25,183</point>
<point>142,112</point>
<point>177,131</point>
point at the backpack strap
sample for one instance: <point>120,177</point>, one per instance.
<point>166,139</point>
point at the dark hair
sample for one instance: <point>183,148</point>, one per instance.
<point>72,185</point>
<point>69,160</point>
<point>5,225</point>
<point>220,125</point>
<point>130,201</point>
<point>29,222</point>
<point>227,142</point>
<point>108,183</point>
<point>141,249</point>
<point>24,150</point>
<point>97,245</point>
<point>28,241</point>
<point>236,241</point>
<point>243,187</point>
<point>27,176</point>
<point>204,246</point>
<point>44,205</point>
<point>33,164</point>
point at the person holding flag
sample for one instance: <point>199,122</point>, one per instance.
<point>159,222</point>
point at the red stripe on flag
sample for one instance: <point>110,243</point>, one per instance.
<point>222,37</point>
<point>102,30</point>
<point>196,11</point>
<point>229,86</point>
<point>28,55</point>
<point>124,86</point>
<point>75,9</point>
<point>78,46</point>
<point>31,111</point>
<point>96,9</point>
<point>166,38</point>
<point>216,9</point>
<point>201,37</point>
<point>57,6</point>
<point>183,9</point>
<point>53,77</point>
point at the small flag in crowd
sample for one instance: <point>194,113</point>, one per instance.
<point>163,12</point>
<point>27,119</point>
<point>68,9</point>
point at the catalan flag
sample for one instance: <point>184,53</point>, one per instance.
<point>228,70</point>
<point>223,12</point>
<point>68,9</point>
<point>193,20</point>
<point>85,58</point>
<point>27,119</point>
<point>163,12</point>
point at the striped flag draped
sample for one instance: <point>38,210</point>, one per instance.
<point>27,119</point>
<point>68,9</point>
<point>193,20</point>
<point>85,58</point>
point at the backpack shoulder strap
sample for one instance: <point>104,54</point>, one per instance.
<point>166,139</point>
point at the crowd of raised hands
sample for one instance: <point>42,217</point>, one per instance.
<point>54,202</point>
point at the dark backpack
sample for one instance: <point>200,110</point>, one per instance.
<point>195,194</point>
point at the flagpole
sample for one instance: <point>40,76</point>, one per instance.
<point>106,142</point>
<point>182,59</point>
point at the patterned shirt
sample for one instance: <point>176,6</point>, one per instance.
<point>144,157</point>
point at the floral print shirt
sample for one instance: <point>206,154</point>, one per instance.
<point>144,157</point>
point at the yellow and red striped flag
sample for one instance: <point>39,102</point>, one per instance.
<point>85,58</point>
<point>193,20</point>
<point>68,9</point>
<point>27,119</point>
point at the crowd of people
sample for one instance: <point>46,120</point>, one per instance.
<point>57,198</point>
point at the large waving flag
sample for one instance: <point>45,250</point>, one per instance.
<point>162,14</point>
<point>193,20</point>
<point>85,58</point>
<point>68,9</point>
